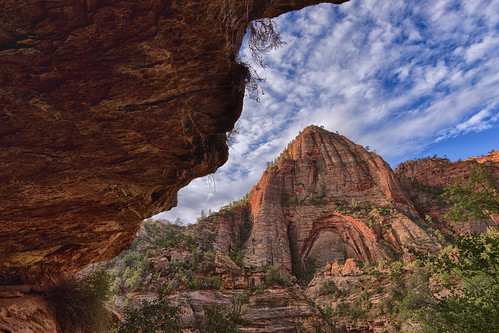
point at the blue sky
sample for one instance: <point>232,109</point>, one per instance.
<point>407,78</point>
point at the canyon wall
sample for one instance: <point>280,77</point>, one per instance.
<point>425,179</point>
<point>328,199</point>
<point>325,240</point>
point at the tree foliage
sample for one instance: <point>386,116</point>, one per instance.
<point>157,315</point>
<point>475,198</point>
<point>471,271</point>
<point>80,303</point>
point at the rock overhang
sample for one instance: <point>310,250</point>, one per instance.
<point>108,109</point>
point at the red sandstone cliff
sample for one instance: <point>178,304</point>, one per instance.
<point>423,180</point>
<point>329,199</point>
<point>324,200</point>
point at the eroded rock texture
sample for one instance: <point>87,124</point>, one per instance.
<point>328,199</point>
<point>325,200</point>
<point>108,108</point>
<point>424,180</point>
<point>20,312</point>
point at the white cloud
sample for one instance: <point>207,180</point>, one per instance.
<point>481,49</point>
<point>394,75</point>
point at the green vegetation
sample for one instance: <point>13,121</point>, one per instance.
<point>152,316</point>
<point>184,271</point>
<point>159,315</point>
<point>284,156</point>
<point>274,276</point>
<point>236,256</point>
<point>470,270</point>
<point>237,203</point>
<point>80,303</point>
<point>378,217</point>
<point>475,198</point>
<point>129,270</point>
<point>240,238</point>
<point>435,191</point>
<point>430,157</point>
<point>329,288</point>
<point>221,319</point>
<point>308,274</point>
<point>455,290</point>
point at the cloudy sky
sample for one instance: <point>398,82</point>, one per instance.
<point>407,78</point>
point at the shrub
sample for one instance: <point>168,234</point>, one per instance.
<point>330,288</point>
<point>81,303</point>
<point>342,309</point>
<point>221,319</point>
<point>153,316</point>
<point>472,305</point>
<point>236,256</point>
<point>274,276</point>
<point>357,313</point>
<point>305,277</point>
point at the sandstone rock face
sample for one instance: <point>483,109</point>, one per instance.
<point>325,199</point>
<point>328,199</point>
<point>108,109</point>
<point>20,312</point>
<point>424,180</point>
<point>277,309</point>
<point>266,300</point>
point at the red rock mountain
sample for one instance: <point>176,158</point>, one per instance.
<point>325,202</point>
<point>328,199</point>
<point>325,199</point>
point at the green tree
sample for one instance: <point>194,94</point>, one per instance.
<point>471,271</point>
<point>475,198</point>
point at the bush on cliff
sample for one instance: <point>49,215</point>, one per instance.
<point>157,315</point>
<point>221,319</point>
<point>471,271</point>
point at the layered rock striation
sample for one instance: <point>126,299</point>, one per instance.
<point>108,109</point>
<point>327,199</point>
<point>424,181</point>
<point>323,242</point>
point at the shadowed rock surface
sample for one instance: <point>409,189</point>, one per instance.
<point>108,108</point>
